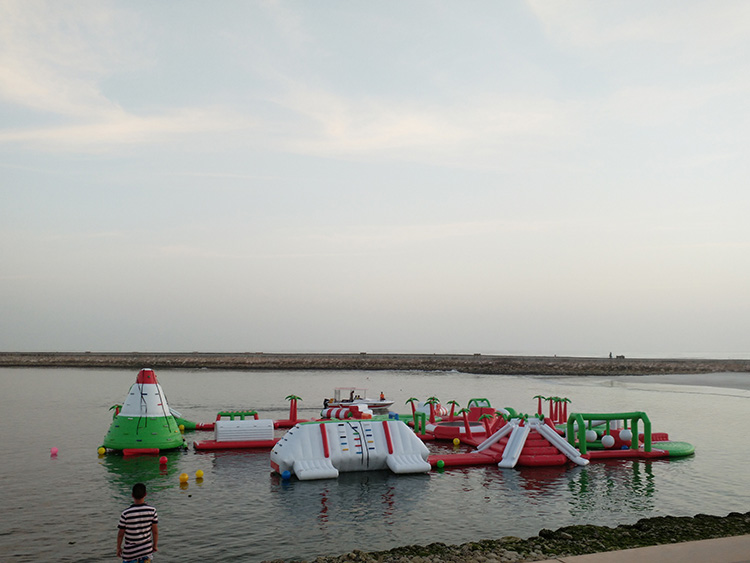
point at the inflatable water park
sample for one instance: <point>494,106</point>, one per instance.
<point>356,433</point>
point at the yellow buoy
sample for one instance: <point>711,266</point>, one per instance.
<point>184,477</point>
<point>199,474</point>
<point>456,441</point>
<point>102,450</point>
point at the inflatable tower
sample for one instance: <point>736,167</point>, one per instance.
<point>144,424</point>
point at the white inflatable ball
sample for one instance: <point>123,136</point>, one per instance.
<point>608,441</point>
<point>591,436</point>
<point>626,435</point>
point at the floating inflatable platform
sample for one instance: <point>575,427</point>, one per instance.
<point>509,439</point>
<point>531,443</point>
<point>320,450</point>
<point>616,436</point>
<point>282,423</point>
<point>240,432</point>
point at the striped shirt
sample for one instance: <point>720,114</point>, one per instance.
<point>137,520</point>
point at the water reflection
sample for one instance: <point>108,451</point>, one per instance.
<point>128,470</point>
<point>541,482</point>
<point>613,486</point>
<point>236,465</point>
<point>357,495</point>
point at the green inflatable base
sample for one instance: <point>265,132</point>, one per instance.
<point>675,449</point>
<point>128,432</point>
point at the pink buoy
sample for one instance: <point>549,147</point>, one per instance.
<point>163,460</point>
<point>53,451</point>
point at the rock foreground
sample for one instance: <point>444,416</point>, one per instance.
<point>563,542</point>
<point>469,363</point>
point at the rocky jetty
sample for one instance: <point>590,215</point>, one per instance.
<point>466,363</point>
<point>563,542</point>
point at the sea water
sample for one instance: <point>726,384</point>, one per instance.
<point>65,507</point>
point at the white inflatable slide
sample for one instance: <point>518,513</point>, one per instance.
<point>320,450</point>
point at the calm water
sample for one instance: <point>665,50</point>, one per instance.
<point>66,508</point>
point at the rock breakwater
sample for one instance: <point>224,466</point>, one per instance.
<point>563,542</point>
<point>468,363</point>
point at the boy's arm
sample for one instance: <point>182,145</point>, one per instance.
<point>155,534</point>
<point>120,535</point>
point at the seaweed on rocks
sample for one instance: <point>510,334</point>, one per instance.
<point>563,542</point>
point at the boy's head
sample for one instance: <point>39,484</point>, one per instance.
<point>139,491</point>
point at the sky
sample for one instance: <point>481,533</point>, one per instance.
<point>517,177</point>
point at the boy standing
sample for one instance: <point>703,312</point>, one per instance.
<point>138,527</point>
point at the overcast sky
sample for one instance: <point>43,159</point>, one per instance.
<point>400,176</point>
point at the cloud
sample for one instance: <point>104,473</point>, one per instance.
<point>702,32</point>
<point>56,57</point>
<point>656,105</point>
<point>54,54</point>
<point>122,128</point>
<point>477,130</point>
<point>53,60</point>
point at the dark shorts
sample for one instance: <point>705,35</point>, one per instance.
<point>144,559</point>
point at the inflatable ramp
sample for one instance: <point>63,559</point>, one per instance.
<point>518,435</point>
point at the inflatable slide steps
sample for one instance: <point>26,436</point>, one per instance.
<point>307,469</point>
<point>407,463</point>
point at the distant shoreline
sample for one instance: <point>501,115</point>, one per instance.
<point>468,363</point>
